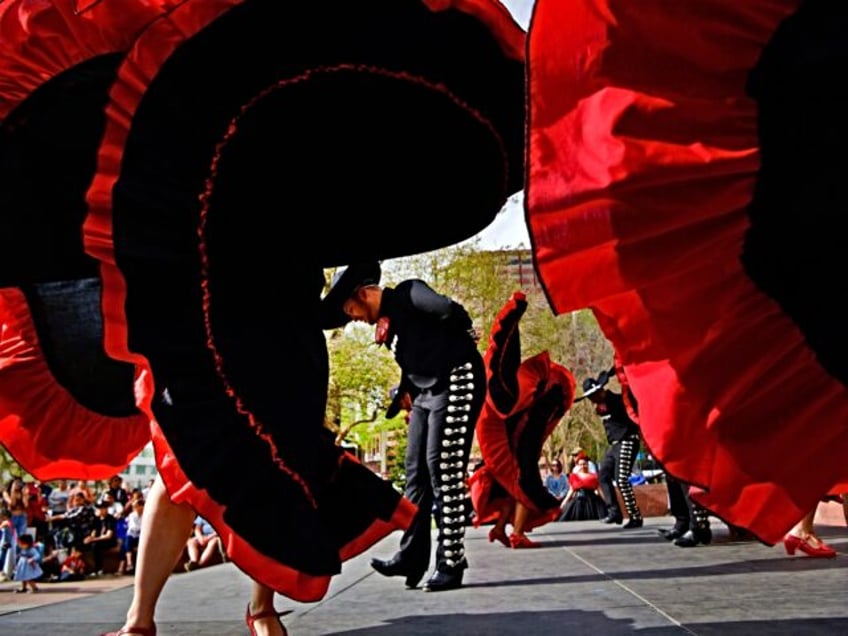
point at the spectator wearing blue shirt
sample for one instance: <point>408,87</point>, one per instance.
<point>556,482</point>
<point>203,545</point>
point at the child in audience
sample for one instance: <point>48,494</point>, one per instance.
<point>73,567</point>
<point>28,568</point>
<point>130,542</point>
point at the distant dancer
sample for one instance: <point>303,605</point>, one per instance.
<point>524,403</point>
<point>691,521</point>
<point>617,464</point>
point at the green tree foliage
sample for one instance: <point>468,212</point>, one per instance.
<point>9,468</point>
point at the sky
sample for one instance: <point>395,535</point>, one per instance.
<point>508,229</point>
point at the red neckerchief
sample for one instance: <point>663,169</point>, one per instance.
<point>382,330</point>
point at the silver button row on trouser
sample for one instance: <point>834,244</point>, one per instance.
<point>452,476</point>
<point>702,517</point>
<point>626,458</point>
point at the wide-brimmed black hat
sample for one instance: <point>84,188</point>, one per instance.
<point>592,385</point>
<point>344,283</point>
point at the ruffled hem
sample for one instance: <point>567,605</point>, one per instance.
<point>45,429</point>
<point>175,299</point>
<point>642,168</point>
<point>518,415</point>
<point>289,581</point>
<point>43,39</point>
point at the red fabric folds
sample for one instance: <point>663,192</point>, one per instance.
<point>41,424</point>
<point>495,16</point>
<point>643,153</point>
<point>524,403</point>
<point>44,428</point>
<point>39,40</point>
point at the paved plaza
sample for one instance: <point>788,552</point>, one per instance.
<point>588,578</point>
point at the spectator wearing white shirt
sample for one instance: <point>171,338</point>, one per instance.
<point>57,500</point>
<point>132,536</point>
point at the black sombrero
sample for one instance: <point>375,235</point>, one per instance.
<point>344,283</point>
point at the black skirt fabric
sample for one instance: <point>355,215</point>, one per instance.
<point>586,505</point>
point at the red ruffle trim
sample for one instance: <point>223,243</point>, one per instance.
<point>498,450</point>
<point>44,428</point>
<point>488,509</point>
<point>292,583</point>
<point>642,160</point>
<point>495,16</point>
<point>40,40</point>
<point>158,42</point>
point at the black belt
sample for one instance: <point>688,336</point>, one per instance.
<point>624,438</point>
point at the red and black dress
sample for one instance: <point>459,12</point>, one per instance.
<point>525,401</point>
<point>238,137</point>
<point>685,181</point>
<point>66,409</point>
<point>583,501</point>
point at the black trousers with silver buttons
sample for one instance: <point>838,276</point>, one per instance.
<point>441,429</point>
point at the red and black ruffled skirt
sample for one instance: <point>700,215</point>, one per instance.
<point>686,168</point>
<point>525,400</point>
<point>220,156</point>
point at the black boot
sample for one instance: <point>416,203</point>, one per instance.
<point>613,517</point>
<point>444,580</point>
<point>671,535</point>
<point>633,522</point>
<point>396,567</point>
<point>694,537</point>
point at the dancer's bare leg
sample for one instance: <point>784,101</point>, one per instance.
<point>262,600</point>
<point>520,520</point>
<point>804,529</point>
<point>164,528</point>
<point>498,531</point>
<point>504,517</point>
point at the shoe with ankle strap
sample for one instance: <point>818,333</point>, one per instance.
<point>250,619</point>
<point>808,547</point>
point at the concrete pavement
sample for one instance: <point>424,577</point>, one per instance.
<point>588,578</point>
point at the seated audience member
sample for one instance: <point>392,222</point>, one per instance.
<point>583,502</point>
<point>575,455</point>
<point>73,568</point>
<point>556,481</point>
<point>8,545</point>
<point>102,536</point>
<point>202,546</point>
<point>133,532</point>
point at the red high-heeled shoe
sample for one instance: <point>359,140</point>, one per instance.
<point>498,535</point>
<point>250,619</point>
<point>792,543</point>
<point>518,541</point>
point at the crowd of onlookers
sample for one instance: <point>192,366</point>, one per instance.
<point>59,531</point>
<point>65,531</point>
